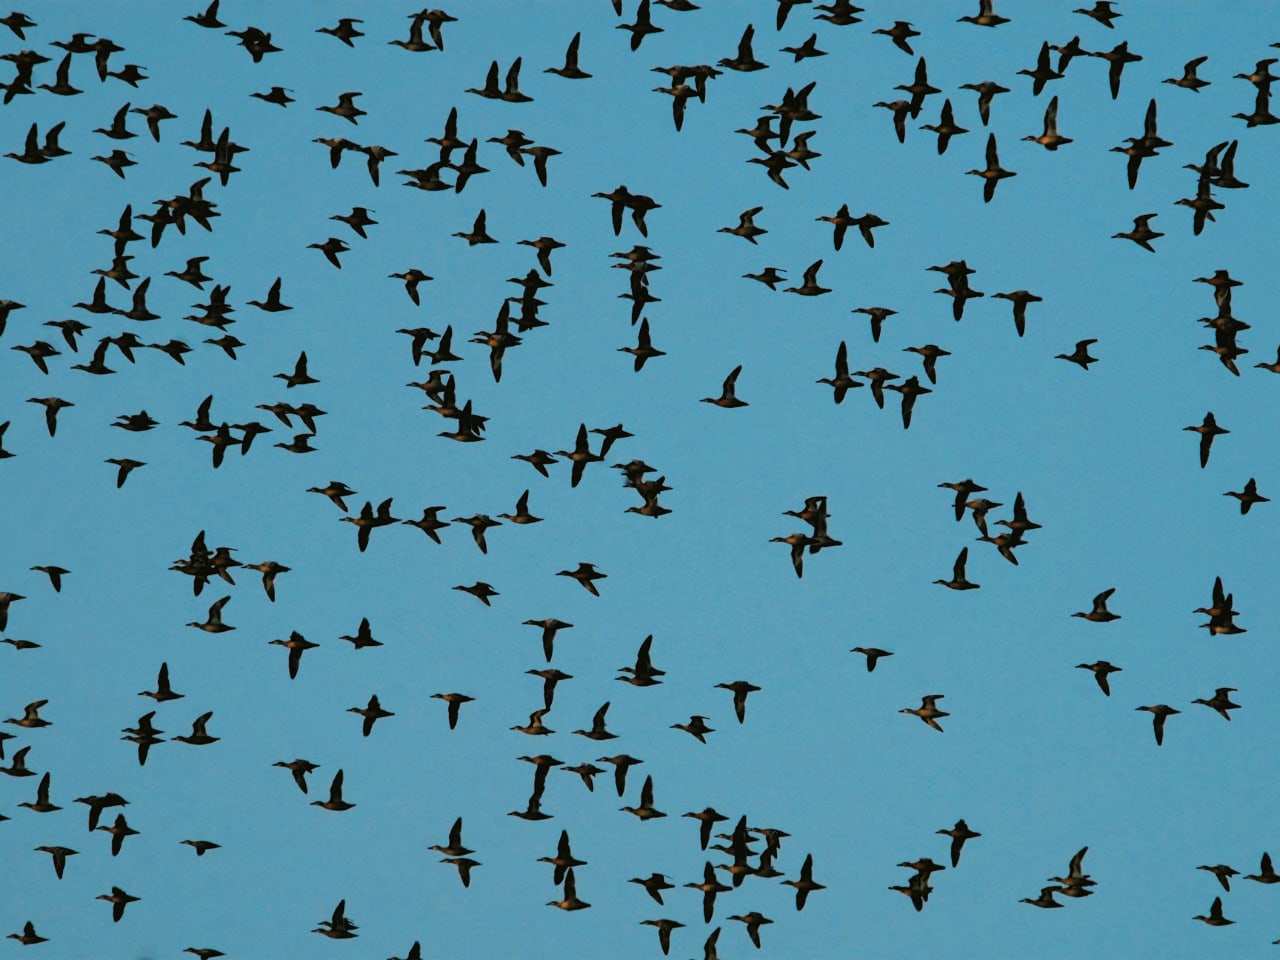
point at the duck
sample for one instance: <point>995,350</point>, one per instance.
<point>335,801</point>
<point>97,804</point>
<point>910,390</point>
<point>338,927</point>
<point>728,398</point>
<point>296,645</point>
<point>900,33</point>
<point>958,580</point>
<point>214,624</point>
<point>754,921</point>
<point>345,30</point>
<point>42,803</point>
<point>571,900</point>
<point>809,287</point>
<point>987,90</point>
<point>1080,356</point>
<point>59,855</point>
<point>654,884</point>
<point>372,713</point>
<point>707,818</point>
<point>987,17</point>
<point>958,834</point>
<point>946,127</point>
<point>1117,56</point>
<point>1215,917</point>
<point>1045,900</point>
<point>696,727</point>
<point>710,886</point>
<point>1050,139</point>
<point>1208,429</point>
<point>644,350</point>
<point>1101,670</point>
<point>621,764</point>
<point>805,884</point>
<point>571,70</point>
<point>1266,873</point>
<point>1160,712</point>
<point>644,673</point>
<point>993,173</point>
<point>199,737</point>
<point>598,731</point>
<point>299,768</point>
<point>118,900</point>
<point>746,227</point>
<point>30,718</point>
<point>1223,873</point>
<point>580,455</point>
<point>1249,495</point>
<point>740,690</point>
<point>1099,613</point>
<point>201,847</point>
<point>28,937</point>
<point>646,810</point>
<point>586,574</point>
<point>873,654</point>
<point>119,830</point>
<point>1221,702</point>
<point>1043,72</point>
<point>535,726</point>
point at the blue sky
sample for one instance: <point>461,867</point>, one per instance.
<point>1033,755</point>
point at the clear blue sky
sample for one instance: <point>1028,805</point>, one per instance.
<point>1033,755</point>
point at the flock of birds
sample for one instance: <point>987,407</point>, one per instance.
<point>749,856</point>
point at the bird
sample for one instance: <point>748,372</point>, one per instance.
<point>1266,873</point>
<point>586,574</point>
<point>455,702</point>
<point>345,30</point>
<point>993,173</point>
<point>1080,356</point>
<point>958,580</point>
<point>30,718</point>
<point>598,731</point>
<point>1208,429</point>
<point>900,33</point>
<point>28,937</point>
<point>1215,917</point>
<point>335,801</point>
<point>213,624</point>
<point>42,803</point>
<point>118,900</point>
<point>646,810</point>
<point>644,350</point>
<point>644,673</point>
<point>1248,496</point>
<point>199,737</point>
<point>296,645</point>
<point>571,901</point>
<point>928,710</point>
<point>1223,873</point>
<point>842,383</point>
<point>1221,702</point>
<point>454,847</point>
<point>740,690</point>
<point>163,692</point>
<point>654,884</point>
<point>1141,234</point>
<point>746,227</point>
<point>696,727</point>
<point>338,927</point>
<point>299,768</point>
<point>580,456</point>
<point>945,128</point>
<point>1099,613</point>
<point>710,886</point>
<point>119,830</point>
<point>958,834</point>
<point>728,398</point>
<point>643,26</point>
<point>665,927</point>
<point>1118,56</point>
<point>873,654</point>
<point>331,248</point>
<point>1160,712</point>
<point>571,70</point>
<point>1101,670</point>
<point>1189,80</point>
<point>372,713</point>
<point>810,287</point>
<point>59,855</point>
<point>1042,73</point>
<point>1045,900</point>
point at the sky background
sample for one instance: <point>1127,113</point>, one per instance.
<point>1033,755</point>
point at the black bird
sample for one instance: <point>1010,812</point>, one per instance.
<point>570,70</point>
